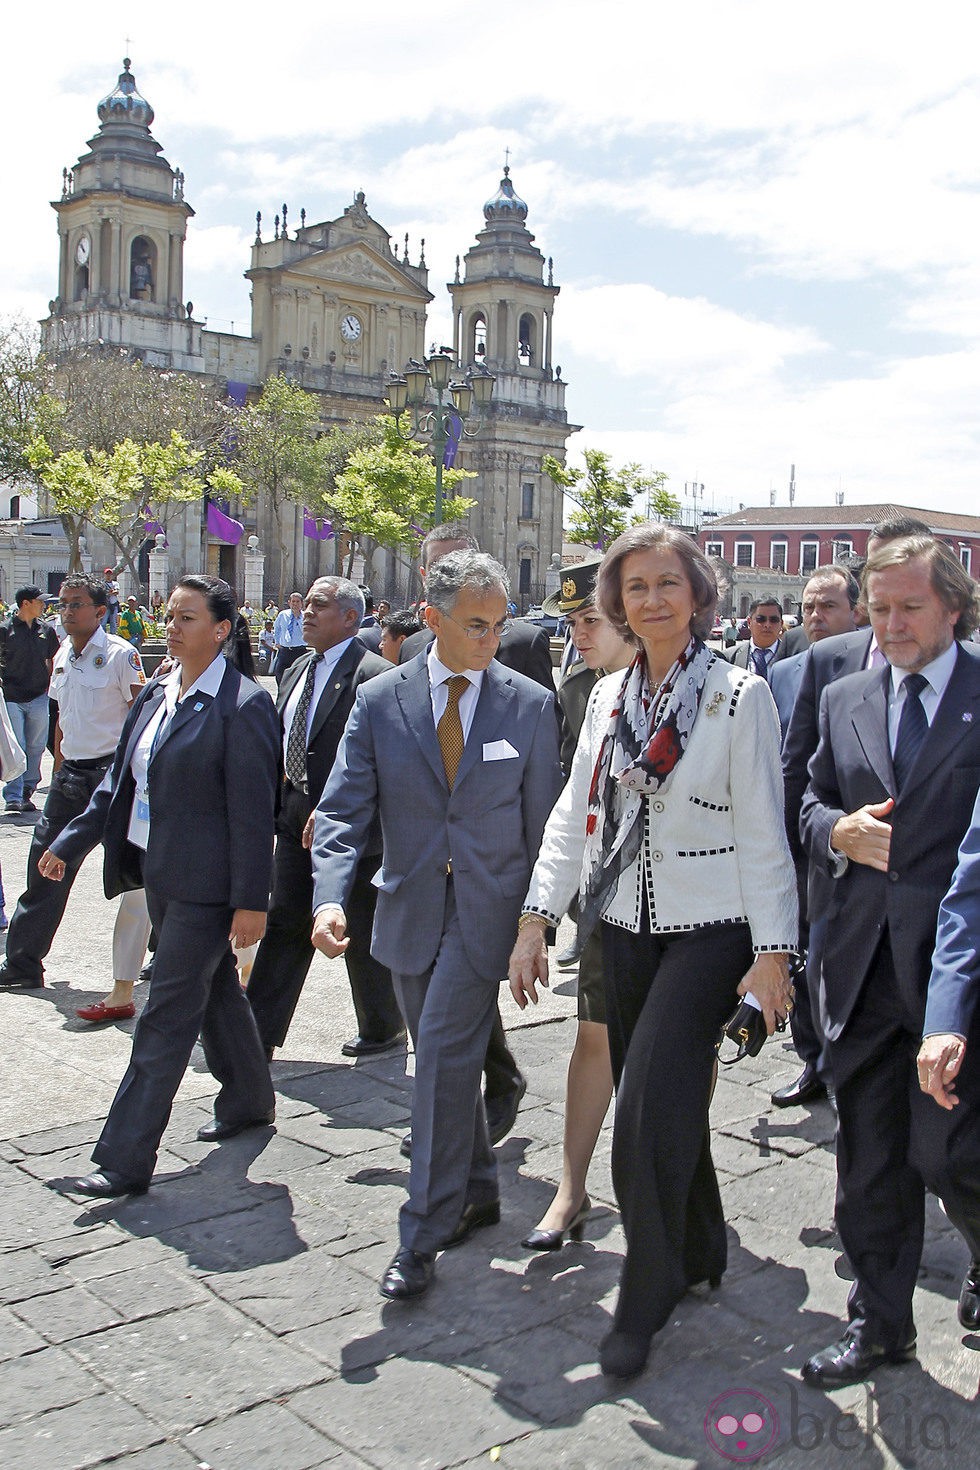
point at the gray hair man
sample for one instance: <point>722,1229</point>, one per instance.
<point>458,757</point>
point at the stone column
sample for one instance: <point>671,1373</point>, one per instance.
<point>160,568</point>
<point>254,572</point>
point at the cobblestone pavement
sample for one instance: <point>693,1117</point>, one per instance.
<point>230,1318</point>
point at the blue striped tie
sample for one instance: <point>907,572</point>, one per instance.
<point>912,728</point>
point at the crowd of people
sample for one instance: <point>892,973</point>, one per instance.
<point>786,828</point>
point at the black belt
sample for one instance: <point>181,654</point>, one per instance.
<point>88,765</point>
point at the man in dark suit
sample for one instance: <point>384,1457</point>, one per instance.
<point>892,783</point>
<point>948,1064</point>
<point>338,664</point>
<point>767,643</point>
<point>526,649</point>
<point>829,601</point>
<point>459,758</point>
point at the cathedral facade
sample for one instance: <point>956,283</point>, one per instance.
<point>336,308</point>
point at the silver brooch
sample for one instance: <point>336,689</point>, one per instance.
<point>717,700</point>
<point>968,719</point>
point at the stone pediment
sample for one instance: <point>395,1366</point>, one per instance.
<point>356,265</point>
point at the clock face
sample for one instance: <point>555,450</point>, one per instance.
<point>350,328</point>
<point>83,249</point>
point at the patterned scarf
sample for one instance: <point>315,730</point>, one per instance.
<point>646,736</point>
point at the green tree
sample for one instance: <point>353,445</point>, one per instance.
<point>113,488</point>
<point>387,491</point>
<point>605,497</point>
<point>24,384</point>
<point>278,454</point>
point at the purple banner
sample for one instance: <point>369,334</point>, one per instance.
<point>316,528</point>
<point>454,428</point>
<point>223,527</point>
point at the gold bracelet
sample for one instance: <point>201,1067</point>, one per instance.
<point>530,918</point>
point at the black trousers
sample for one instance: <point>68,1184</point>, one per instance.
<point>286,952</point>
<point>893,1143</point>
<point>194,991</point>
<point>41,907</point>
<point>667,997</point>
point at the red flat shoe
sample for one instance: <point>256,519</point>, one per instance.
<point>101,1012</point>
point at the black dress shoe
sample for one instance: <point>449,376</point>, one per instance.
<point>502,1111</point>
<point>105,1184</point>
<point>806,1088</point>
<point>968,1306</point>
<point>215,1132</point>
<point>624,1354</point>
<point>851,1360</point>
<point>408,1275</point>
<point>360,1047</point>
<point>11,981</point>
<point>405,1147</point>
<point>474,1217</point>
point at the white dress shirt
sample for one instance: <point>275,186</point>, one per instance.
<point>209,683</point>
<point>937,674</point>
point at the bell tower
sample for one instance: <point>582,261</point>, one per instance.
<point>122,221</point>
<point>503,309</point>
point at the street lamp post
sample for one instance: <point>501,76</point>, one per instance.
<point>432,421</point>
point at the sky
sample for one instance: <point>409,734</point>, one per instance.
<point>764,219</point>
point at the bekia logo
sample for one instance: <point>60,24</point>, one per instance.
<point>741,1425</point>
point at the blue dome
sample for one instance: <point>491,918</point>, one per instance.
<point>505,204</point>
<point>125,105</point>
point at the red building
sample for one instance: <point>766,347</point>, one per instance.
<point>794,539</point>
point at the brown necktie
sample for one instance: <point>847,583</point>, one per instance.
<point>450,727</point>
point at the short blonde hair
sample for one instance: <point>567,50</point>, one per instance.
<point>701,577</point>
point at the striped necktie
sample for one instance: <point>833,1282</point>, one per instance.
<point>450,727</point>
<point>296,744</point>
<point>760,664</point>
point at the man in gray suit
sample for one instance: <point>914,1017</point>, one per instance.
<point>459,757</point>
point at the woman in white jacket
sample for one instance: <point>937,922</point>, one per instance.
<point>671,831</point>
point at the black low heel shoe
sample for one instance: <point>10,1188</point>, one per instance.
<point>553,1240</point>
<point>624,1354</point>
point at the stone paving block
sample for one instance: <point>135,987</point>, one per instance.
<point>77,1436</point>
<point>42,1381</point>
<point>241,1241</point>
<point>146,1291</point>
<point>75,1135</point>
<point>36,1215</point>
<point>266,1438</point>
<point>25,1273</point>
<point>547,1374</point>
<point>282,1297</point>
<point>609,1434</point>
<point>340,1142</point>
<point>377,1330</point>
<point>16,1338</point>
<point>409,1415</point>
<point>374,1112</point>
<point>157,1457</point>
<point>120,1253</point>
<point>194,1365</point>
<point>329,1087</point>
<point>62,1316</point>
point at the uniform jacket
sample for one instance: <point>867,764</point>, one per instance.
<point>714,847</point>
<point>212,786</point>
<point>488,828</point>
<point>852,767</point>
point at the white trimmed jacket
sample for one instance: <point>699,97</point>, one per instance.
<point>714,844</point>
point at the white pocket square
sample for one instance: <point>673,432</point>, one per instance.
<point>500,750</point>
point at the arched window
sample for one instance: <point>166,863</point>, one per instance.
<point>527,341</point>
<point>142,269</point>
<point>477,338</point>
<point>81,283</point>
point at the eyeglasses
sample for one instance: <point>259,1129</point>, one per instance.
<point>74,606</point>
<point>478,634</point>
<point>766,618</point>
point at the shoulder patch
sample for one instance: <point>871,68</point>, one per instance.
<point>134,659</point>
